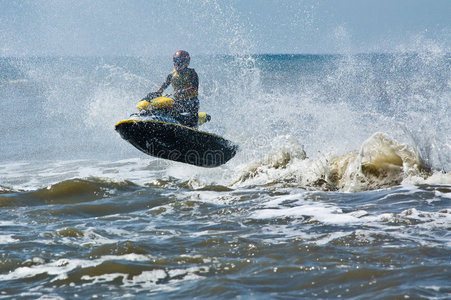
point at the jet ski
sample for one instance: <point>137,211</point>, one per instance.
<point>157,130</point>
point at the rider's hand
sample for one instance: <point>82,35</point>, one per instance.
<point>177,94</point>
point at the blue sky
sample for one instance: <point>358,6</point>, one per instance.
<point>158,27</point>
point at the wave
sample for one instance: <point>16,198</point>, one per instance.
<point>72,191</point>
<point>381,162</point>
<point>5,190</point>
<point>145,271</point>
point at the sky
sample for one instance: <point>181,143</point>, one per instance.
<point>158,27</point>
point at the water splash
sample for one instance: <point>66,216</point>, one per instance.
<point>328,103</point>
<point>381,162</point>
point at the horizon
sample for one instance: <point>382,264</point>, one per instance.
<point>165,56</point>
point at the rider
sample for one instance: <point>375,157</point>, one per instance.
<point>185,83</point>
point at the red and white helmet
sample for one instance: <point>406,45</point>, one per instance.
<point>181,60</point>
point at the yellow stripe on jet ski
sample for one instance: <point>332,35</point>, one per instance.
<point>166,123</point>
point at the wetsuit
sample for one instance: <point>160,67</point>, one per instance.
<point>185,84</point>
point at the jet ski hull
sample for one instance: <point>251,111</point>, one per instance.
<point>177,142</point>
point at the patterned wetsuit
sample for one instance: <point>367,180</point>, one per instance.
<point>185,84</point>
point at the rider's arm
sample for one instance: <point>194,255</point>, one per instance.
<point>165,84</point>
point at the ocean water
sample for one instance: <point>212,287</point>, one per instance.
<point>341,187</point>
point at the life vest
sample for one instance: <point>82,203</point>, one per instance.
<point>183,80</point>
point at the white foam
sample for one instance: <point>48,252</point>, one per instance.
<point>63,266</point>
<point>323,214</point>
<point>7,239</point>
<point>299,208</point>
<point>148,278</point>
<point>330,237</point>
<point>91,237</point>
<point>102,278</point>
<point>437,177</point>
<point>443,195</point>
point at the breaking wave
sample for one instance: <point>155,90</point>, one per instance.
<point>381,162</point>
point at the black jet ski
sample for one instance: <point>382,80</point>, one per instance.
<point>158,131</point>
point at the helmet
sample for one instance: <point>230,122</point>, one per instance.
<point>181,60</point>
